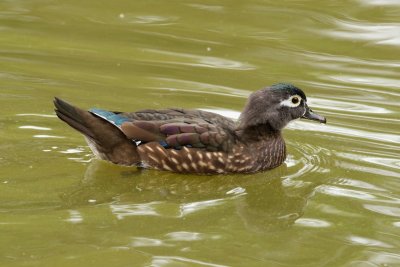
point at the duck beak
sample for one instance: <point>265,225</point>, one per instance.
<point>310,115</point>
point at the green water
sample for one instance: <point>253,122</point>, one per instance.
<point>336,201</point>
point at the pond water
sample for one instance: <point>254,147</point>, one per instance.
<point>335,201</point>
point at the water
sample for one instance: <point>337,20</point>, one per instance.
<point>334,203</point>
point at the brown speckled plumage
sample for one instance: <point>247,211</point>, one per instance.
<point>194,141</point>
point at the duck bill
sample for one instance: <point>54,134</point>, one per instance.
<point>310,115</point>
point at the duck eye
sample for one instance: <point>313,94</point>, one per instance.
<point>292,102</point>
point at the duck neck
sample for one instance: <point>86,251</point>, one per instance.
<point>257,132</point>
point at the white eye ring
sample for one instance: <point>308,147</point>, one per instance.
<point>292,102</point>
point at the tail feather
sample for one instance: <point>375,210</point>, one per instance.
<point>70,115</point>
<point>108,140</point>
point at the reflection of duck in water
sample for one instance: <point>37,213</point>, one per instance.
<point>276,211</point>
<point>260,200</point>
<point>194,141</point>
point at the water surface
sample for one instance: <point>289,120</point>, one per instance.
<point>335,201</point>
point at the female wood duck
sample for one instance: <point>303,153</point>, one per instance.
<point>194,141</point>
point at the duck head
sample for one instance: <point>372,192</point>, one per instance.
<point>276,106</point>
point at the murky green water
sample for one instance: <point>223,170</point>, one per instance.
<point>336,202</point>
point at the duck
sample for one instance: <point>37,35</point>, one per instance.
<point>194,141</point>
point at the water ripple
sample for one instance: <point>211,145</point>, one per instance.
<point>382,258</point>
<point>336,211</point>
<point>199,87</point>
<point>380,2</point>
<point>199,61</point>
<point>311,159</point>
<point>342,192</point>
<point>345,106</point>
<point>18,15</point>
<point>359,240</point>
<point>339,62</point>
<point>46,136</point>
<point>73,151</point>
<point>39,128</point>
<point>184,236</point>
<point>307,126</point>
<point>375,95</point>
<point>37,115</point>
<point>379,33</point>
<point>148,19</point>
<point>75,217</point>
<point>159,208</point>
<point>148,242</point>
<point>188,208</point>
<point>385,210</point>
<point>124,210</point>
<point>367,80</point>
<point>348,158</point>
<point>382,161</point>
<point>187,39</point>
<point>365,169</point>
<point>159,261</point>
<point>314,223</point>
<point>358,184</point>
<point>387,162</point>
<point>212,8</point>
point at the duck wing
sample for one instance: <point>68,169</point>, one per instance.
<point>175,128</point>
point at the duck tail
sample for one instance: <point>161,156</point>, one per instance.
<point>104,138</point>
<point>74,117</point>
